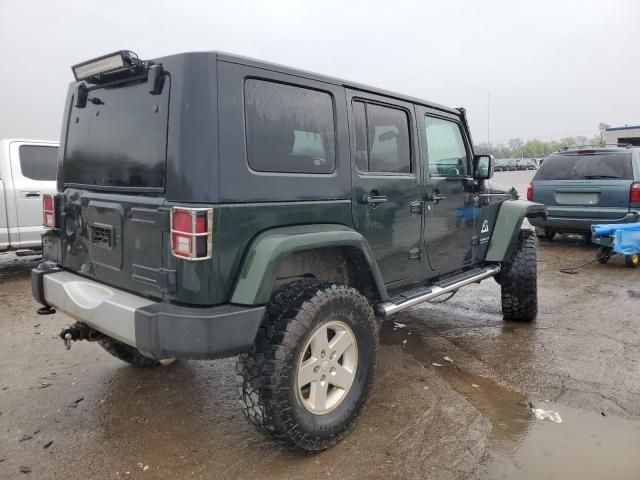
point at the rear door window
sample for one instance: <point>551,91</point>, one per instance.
<point>611,166</point>
<point>38,162</point>
<point>289,129</point>
<point>382,138</point>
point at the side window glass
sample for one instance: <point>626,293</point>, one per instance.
<point>446,152</point>
<point>38,162</point>
<point>382,139</point>
<point>360,127</point>
<point>289,129</point>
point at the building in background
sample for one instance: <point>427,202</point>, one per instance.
<point>627,134</point>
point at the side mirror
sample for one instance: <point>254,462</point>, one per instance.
<point>483,167</point>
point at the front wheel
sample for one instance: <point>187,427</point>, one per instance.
<point>632,261</point>
<point>312,365</point>
<point>519,280</point>
<point>603,255</point>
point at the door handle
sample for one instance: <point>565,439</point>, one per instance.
<point>31,194</point>
<point>375,200</point>
<point>435,197</point>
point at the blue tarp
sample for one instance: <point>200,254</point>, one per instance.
<point>626,236</point>
<point>467,213</point>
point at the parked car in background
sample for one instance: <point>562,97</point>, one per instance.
<point>512,165</point>
<point>500,166</point>
<point>584,186</point>
<point>27,172</point>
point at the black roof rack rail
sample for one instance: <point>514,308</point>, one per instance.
<point>600,145</point>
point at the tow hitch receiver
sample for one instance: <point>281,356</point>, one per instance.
<point>78,331</point>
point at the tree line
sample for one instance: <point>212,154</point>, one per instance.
<point>517,148</point>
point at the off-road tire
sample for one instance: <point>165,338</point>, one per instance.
<point>127,353</point>
<point>519,280</point>
<point>267,374</point>
<point>632,261</point>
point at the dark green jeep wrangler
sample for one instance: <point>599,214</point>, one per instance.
<point>210,205</point>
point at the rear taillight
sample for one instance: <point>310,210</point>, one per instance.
<point>191,233</point>
<point>530,192</point>
<point>634,193</point>
<point>48,211</point>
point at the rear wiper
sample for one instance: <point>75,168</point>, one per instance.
<point>590,177</point>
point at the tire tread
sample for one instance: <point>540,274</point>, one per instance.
<point>519,280</point>
<point>262,373</point>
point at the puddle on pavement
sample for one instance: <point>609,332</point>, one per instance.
<point>586,445</point>
<point>508,411</point>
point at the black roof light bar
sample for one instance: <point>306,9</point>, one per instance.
<point>112,66</point>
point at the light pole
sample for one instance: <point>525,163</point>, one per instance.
<point>488,111</point>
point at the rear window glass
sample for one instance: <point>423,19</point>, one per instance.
<point>118,140</point>
<point>38,162</point>
<point>289,129</point>
<point>613,166</point>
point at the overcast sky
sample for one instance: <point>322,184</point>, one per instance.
<point>552,68</point>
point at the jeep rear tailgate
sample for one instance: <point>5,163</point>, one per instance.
<point>113,227</point>
<point>116,239</point>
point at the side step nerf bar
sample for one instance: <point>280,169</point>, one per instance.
<point>421,294</point>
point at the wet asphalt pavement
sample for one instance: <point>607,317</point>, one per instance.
<point>82,414</point>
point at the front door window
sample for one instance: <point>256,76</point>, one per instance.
<point>445,148</point>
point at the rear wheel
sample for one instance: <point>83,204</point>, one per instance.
<point>519,280</point>
<point>545,232</point>
<point>632,261</point>
<point>130,354</point>
<point>311,368</point>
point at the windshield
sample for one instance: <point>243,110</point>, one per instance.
<point>118,140</point>
<point>614,166</point>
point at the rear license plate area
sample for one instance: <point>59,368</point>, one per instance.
<point>104,232</point>
<point>577,198</point>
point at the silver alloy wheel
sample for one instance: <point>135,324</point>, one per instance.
<point>327,367</point>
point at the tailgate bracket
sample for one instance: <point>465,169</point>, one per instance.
<point>163,278</point>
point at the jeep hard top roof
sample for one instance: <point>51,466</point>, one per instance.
<point>233,58</point>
